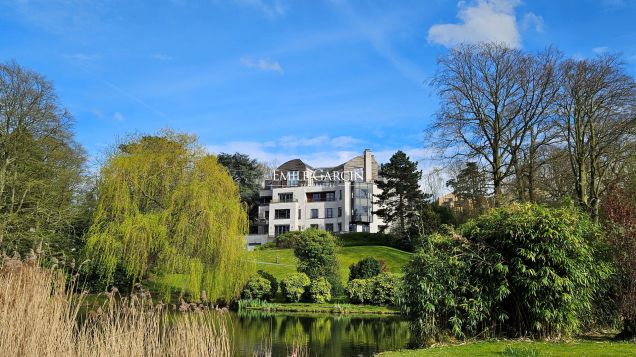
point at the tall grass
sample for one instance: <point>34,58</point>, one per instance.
<point>39,317</point>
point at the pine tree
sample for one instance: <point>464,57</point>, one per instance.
<point>400,198</point>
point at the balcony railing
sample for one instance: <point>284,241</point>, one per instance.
<point>286,200</point>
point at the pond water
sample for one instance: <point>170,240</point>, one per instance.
<point>324,335</point>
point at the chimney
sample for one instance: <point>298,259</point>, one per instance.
<point>368,166</point>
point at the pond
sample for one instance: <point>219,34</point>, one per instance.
<point>324,335</point>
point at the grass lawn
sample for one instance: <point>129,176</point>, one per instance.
<point>281,262</point>
<point>524,349</point>
<point>329,308</point>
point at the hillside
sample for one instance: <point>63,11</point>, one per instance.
<point>280,262</point>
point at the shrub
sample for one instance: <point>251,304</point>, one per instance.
<point>319,290</point>
<point>257,287</point>
<point>385,289</point>
<point>359,291</point>
<point>382,289</point>
<point>293,286</point>
<point>272,281</point>
<point>523,270</point>
<point>351,239</point>
<point>289,239</point>
<point>316,253</point>
<point>366,268</point>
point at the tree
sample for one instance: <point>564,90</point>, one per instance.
<point>400,197</point>
<point>316,254</point>
<point>41,165</point>
<point>470,188</point>
<point>597,122</point>
<point>247,173</point>
<point>492,97</point>
<point>166,207</point>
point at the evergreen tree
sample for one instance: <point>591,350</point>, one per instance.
<point>470,187</point>
<point>400,198</point>
<point>248,174</point>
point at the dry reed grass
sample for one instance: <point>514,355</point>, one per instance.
<point>39,317</point>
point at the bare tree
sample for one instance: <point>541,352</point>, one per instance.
<point>597,122</point>
<point>40,163</point>
<point>492,97</point>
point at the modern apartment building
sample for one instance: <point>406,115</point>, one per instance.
<point>337,199</point>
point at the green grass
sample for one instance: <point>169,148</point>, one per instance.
<point>524,349</point>
<point>281,262</point>
<point>323,308</point>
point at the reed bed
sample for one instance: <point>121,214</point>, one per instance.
<point>39,316</point>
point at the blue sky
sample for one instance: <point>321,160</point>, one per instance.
<point>277,79</point>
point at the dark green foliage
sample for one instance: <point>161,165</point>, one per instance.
<point>257,287</point>
<point>289,239</point>
<point>247,174</point>
<point>366,268</point>
<point>316,253</point>
<point>319,291</point>
<point>400,198</point>
<point>470,186</point>
<point>272,281</point>
<point>383,289</point>
<point>525,270</point>
<point>293,286</point>
<point>352,239</point>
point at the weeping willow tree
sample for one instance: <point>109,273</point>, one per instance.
<point>165,207</point>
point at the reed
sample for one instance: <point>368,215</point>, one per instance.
<point>39,316</point>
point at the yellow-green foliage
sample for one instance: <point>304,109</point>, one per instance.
<point>165,207</point>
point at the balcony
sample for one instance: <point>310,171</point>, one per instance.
<point>287,200</point>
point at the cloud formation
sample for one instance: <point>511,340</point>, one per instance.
<point>487,20</point>
<point>272,8</point>
<point>263,65</point>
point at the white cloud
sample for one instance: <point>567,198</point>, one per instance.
<point>531,20</point>
<point>272,8</point>
<point>488,20</point>
<point>118,116</point>
<point>291,141</point>
<point>81,57</point>
<point>600,50</point>
<point>263,65</point>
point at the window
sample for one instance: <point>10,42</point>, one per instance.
<point>313,226</point>
<point>353,228</point>
<point>339,227</point>
<point>340,195</point>
<point>314,213</point>
<point>331,196</point>
<point>328,212</point>
<point>329,227</point>
<point>292,178</point>
<point>286,197</point>
<point>281,214</point>
<point>339,211</point>
<point>315,197</point>
<point>299,216</point>
<point>365,228</point>
<point>278,230</point>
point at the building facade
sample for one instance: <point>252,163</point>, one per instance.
<point>338,199</point>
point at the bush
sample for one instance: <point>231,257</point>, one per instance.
<point>366,268</point>
<point>524,270</point>
<point>272,281</point>
<point>359,291</point>
<point>319,290</point>
<point>316,253</point>
<point>257,287</point>
<point>289,239</point>
<point>385,289</point>
<point>293,286</point>
<point>352,239</point>
<point>382,289</point>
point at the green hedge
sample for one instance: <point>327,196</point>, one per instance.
<point>293,286</point>
<point>257,287</point>
<point>319,291</point>
<point>383,289</point>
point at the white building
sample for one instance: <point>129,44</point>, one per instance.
<point>336,199</point>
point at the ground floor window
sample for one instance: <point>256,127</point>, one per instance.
<point>329,227</point>
<point>353,227</point>
<point>313,226</point>
<point>280,229</point>
<point>339,227</point>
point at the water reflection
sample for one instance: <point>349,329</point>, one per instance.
<point>325,335</point>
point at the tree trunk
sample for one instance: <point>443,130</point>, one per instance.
<point>629,330</point>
